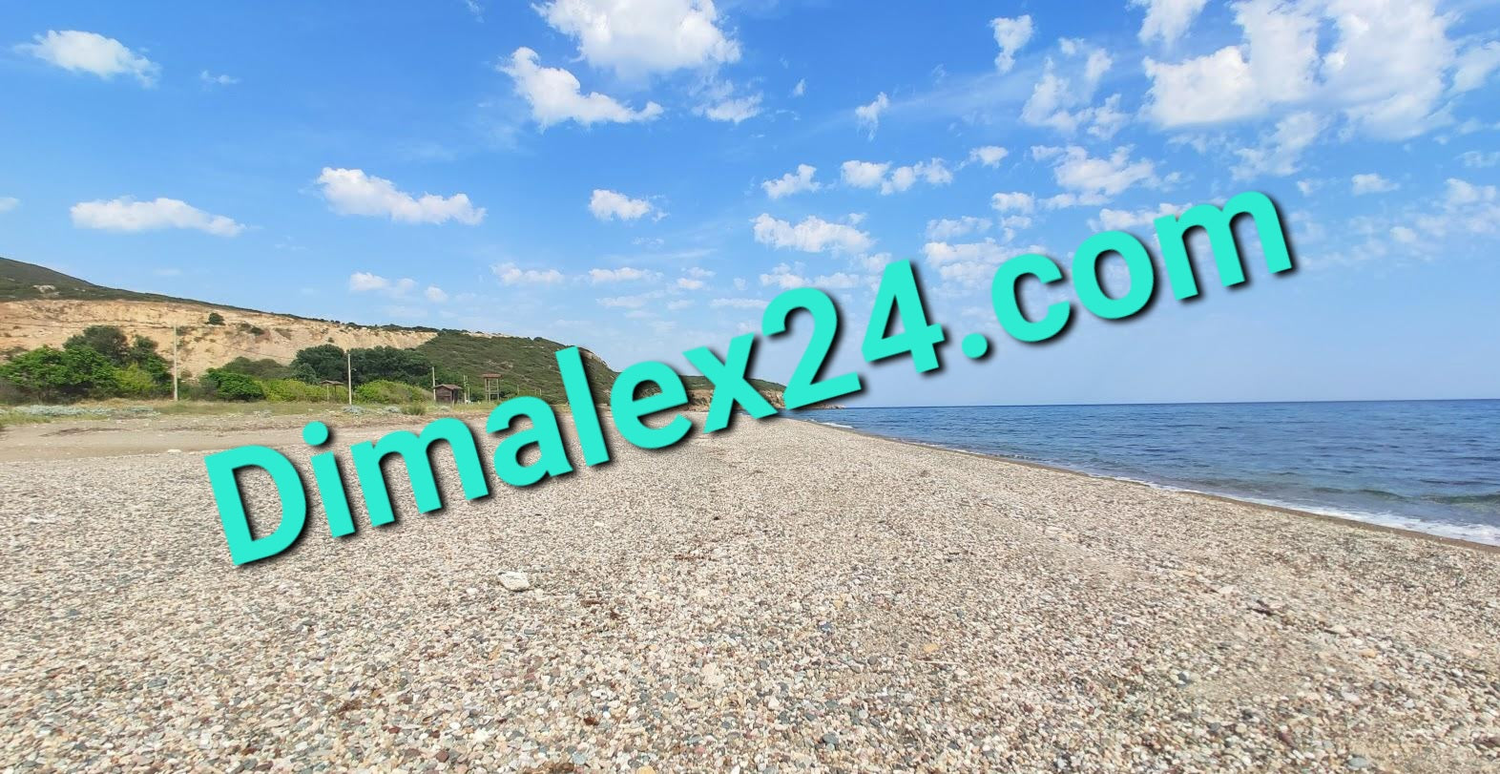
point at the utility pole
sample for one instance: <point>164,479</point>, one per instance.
<point>174,364</point>
<point>434,384</point>
<point>349,375</point>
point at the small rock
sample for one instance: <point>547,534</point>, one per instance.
<point>515,581</point>
<point>1358,762</point>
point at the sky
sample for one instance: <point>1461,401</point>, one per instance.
<point>640,177</point>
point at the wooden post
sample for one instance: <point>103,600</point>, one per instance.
<point>174,364</point>
<point>349,375</point>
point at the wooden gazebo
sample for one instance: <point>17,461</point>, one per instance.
<point>491,387</point>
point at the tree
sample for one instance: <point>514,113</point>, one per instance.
<point>107,340</point>
<point>214,318</point>
<point>68,374</point>
<point>265,368</point>
<point>391,364</point>
<point>324,362</point>
<point>143,355</point>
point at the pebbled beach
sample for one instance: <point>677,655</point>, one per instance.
<point>777,597</point>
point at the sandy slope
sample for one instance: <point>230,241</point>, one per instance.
<point>783,595</point>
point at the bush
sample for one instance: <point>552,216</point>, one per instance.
<point>107,340</point>
<point>228,385</point>
<point>265,368</point>
<point>294,391</point>
<point>414,409</point>
<point>61,375</point>
<point>386,391</point>
<point>214,318</point>
<point>136,382</point>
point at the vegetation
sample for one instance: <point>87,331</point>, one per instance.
<point>527,366</point>
<point>214,318</point>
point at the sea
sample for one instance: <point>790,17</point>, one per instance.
<point>1430,466</point>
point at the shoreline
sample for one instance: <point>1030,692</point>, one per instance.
<point>1325,517</point>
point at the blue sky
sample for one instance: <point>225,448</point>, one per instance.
<point>641,177</point>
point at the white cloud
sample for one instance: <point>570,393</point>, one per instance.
<point>352,192</point>
<point>689,283</point>
<point>800,89</point>
<point>365,282</point>
<point>783,276</point>
<point>970,265</point>
<point>1479,160</point>
<point>988,155</point>
<point>738,303</point>
<point>731,110</point>
<point>1091,180</point>
<point>863,174</point>
<point>622,274</point>
<point>868,174</point>
<point>812,235</point>
<point>1011,35</point>
<point>1167,19</point>
<point>1370,183</point>
<point>127,214</point>
<point>944,229</point>
<point>641,37</point>
<point>1013,202</point>
<point>1062,97</point>
<point>1124,220</point>
<point>606,204</point>
<point>8,203</point>
<point>1280,153</point>
<point>868,116</point>
<point>1404,235</point>
<point>1385,71</point>
<point>792,182</point>
<point>435,294</point>
<point>90,52</point>
<point>1475,66</point>
<point>510,274</point>
<point>555,95</point>
<point>209,79</point>
<point>1275,64</point>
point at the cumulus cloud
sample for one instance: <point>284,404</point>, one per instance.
<point>733,110</point>
<point>1011,35</point>
<point>1124,220</point>
<point>1063,97</point>
<point>971,265</point>
<point>555,95</point>
<point>622,274</point>
<point>988,155</point>
<point>125,214</point>
<point>90,52</point>
<point>868,116</point>
<point>1091,180</point>
<point>1478,159</point>
<point>8,203</point>
<point>606,204</point>
<point>868,174</point>
<point>1167,19</point>
<point>738,303</point>
<point>812,235</point>
<point>435,294</point>
<point>1385,72</point>
<point>352,192</point>
<point>510,274</point>
<point>792,182</point>
<point>800,89</point>
<point>642,37</point>
<point>944,229</point>
<point>1475,65</point>
<point>1280,152</point>
<point>1370,183</point>
<point>1013,202</point>
<point>366,282</point>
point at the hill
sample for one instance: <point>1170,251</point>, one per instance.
<point>41,306</point>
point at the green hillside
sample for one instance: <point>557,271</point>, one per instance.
<point>526,366</point>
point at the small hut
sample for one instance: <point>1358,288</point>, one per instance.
<point>448,393</point>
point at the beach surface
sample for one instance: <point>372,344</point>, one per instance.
<point>782,596</point>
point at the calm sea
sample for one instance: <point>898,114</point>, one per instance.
<point>1432,466</point>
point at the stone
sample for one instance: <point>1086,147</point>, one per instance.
<point>515,581</point>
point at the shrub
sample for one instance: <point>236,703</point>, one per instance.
<point>214,318</point>
<point>61,375</point>
<point>229,385</point>
<point>265,368</point>
<point>107,340</point>
<point>414,409</point>
<point>295,391</point>
<point>136,382</point>
<point>386,391</point>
